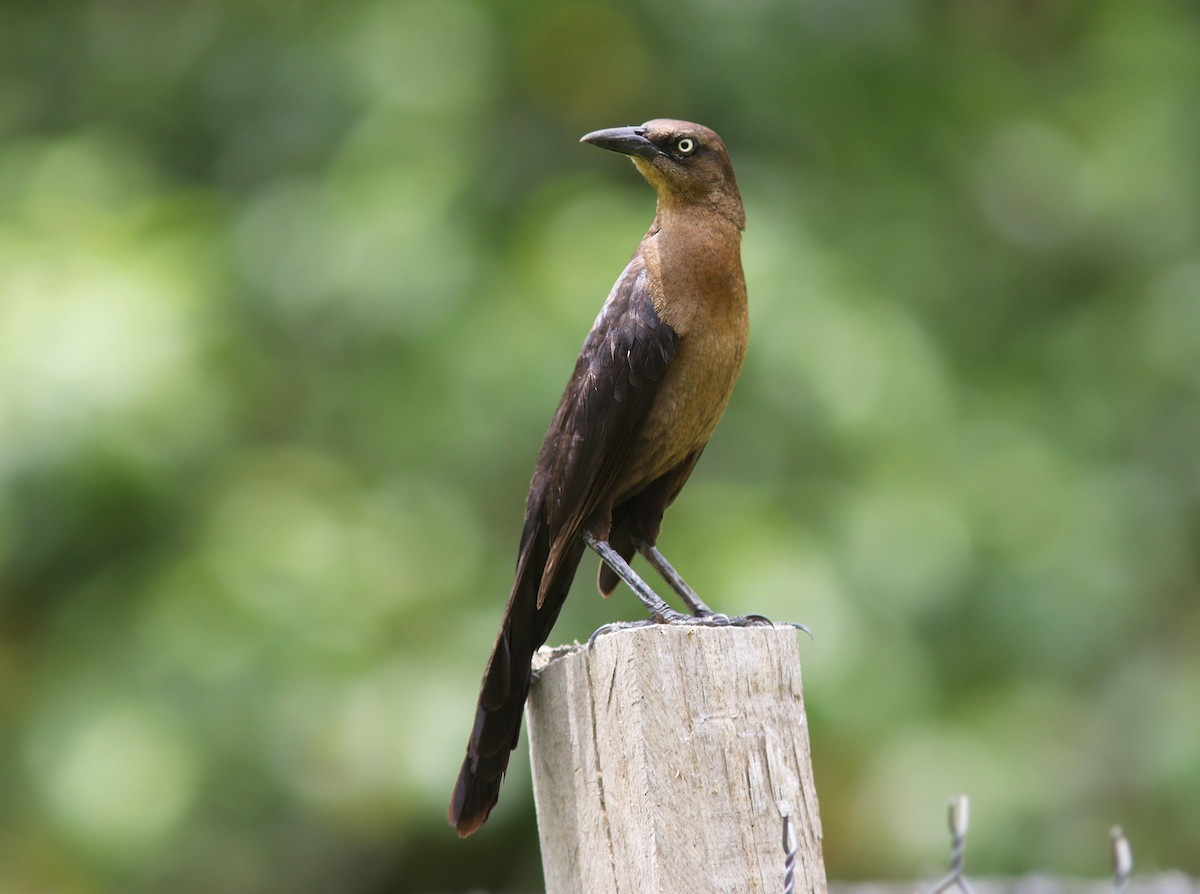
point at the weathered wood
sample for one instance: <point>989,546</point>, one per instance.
<point>662,757</point>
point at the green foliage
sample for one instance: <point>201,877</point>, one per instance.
<point>288,292</point>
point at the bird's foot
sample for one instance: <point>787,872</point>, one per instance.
<point>716,619</point>
<point>702,619</point>
<point>618,625</point>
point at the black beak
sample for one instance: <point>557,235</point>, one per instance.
<point>626,140</point>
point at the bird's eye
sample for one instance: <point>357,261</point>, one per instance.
<point>686,146</point>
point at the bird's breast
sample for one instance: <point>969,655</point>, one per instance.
<point>713,333</point>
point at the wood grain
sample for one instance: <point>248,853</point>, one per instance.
<point>663,757</point>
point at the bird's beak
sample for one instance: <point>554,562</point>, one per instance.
<point>626,140</point>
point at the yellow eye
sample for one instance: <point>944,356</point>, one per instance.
<point>686,146</point>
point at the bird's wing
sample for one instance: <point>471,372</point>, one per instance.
<point>601,413</point>
<point>585,453</point>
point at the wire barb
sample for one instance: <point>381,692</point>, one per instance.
<point>790,849</point>
<point>1122,860</point>
<point>959,820</point>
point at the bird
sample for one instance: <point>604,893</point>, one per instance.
<point>652,380</point>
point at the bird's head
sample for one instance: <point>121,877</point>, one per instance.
<point>686,163</point>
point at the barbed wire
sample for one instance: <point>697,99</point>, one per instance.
<point>958,817</point>
<point>790,849</point>
<point>958,814</point>
<point>1122,860</point>
<point>959,821</point>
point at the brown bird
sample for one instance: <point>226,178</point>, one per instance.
<point>651,382</point>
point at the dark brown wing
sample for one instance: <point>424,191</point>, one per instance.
<point>614,385</point>
<point>582,459</point>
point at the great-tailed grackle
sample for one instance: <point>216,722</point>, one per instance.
<point>648,389</point>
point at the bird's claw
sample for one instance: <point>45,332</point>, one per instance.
<point>799,626</point>
<point>716,619</point>
<point>704,619</point>
<point>617,625</point>
<point>762,620</point>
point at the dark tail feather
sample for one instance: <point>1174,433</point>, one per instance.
<point>506,682</point>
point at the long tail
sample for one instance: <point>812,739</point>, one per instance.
<point>506,681</point>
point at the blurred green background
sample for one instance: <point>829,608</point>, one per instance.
<point>288,292</point>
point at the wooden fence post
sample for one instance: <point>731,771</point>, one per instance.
<point>663,757</point>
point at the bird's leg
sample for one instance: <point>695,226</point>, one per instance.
<point>660,564</point>
<point>702,612</point>
<point>659,610</point>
